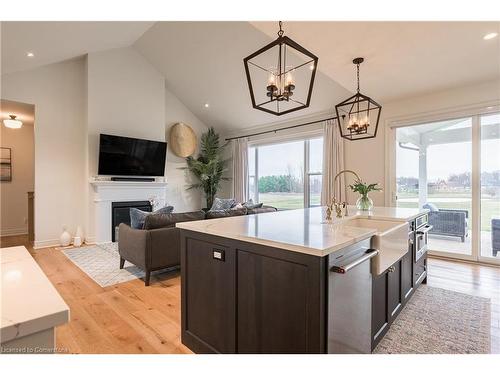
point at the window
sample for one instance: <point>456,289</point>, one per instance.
<point>452,166</point>
<point>287,175</point>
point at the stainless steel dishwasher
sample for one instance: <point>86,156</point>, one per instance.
<point>350,299</point>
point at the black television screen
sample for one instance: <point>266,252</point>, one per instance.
<point>122,156</point>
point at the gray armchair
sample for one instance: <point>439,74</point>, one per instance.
<point>449,222</point>
<point>155,247</point>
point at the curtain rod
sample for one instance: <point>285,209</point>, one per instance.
<point>280,129</point>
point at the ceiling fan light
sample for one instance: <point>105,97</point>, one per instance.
<point>12,122</point>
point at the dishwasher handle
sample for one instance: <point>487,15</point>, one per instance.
<point>370,253</point>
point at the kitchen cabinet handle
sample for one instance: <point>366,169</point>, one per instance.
<point>345,268</point>
<point>392,269</point>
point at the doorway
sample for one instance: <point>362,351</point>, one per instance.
<point>452,168</point>
<point>17,178</point>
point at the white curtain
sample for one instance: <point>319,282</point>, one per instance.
<point>240,169</point>
<point>333,162</point>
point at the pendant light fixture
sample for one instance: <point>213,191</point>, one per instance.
<point>358,116</point>
<point>12,122</point>
<point>280,76</point>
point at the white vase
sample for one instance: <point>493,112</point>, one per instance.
<point>79,233</point>
<point>65,239</point>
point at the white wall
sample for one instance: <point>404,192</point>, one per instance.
<point>14,194</point>
<point>127,97</point>
<point>58,93</point>
<point>116,92</point>
<point>183,200</point>
<point>367,157</point>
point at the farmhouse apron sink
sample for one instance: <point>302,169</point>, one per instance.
<point>391,240</point>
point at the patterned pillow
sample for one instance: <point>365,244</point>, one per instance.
<point>226,213</point>
<point>250,205</point>
<point>222,204</point>
<point>431,207</point>
<point>137,217</point>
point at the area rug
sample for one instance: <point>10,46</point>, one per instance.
<point>439,321</point>
<point>101,263</point>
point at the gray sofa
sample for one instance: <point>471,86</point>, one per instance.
<point>157,245</point>
<point>448,222</point>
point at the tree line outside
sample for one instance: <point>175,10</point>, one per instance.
<point>286,191</point>
<point>454,192</point>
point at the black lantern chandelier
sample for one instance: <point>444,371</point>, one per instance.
<point>280,76</point>
<point>358,116</point>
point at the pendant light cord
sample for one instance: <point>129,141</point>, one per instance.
<point>358,75</point>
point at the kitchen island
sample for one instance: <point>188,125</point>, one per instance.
<point>291,282</point>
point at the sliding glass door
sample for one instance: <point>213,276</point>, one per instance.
<point>452,168</point>
<point>490,187</point>
<point>434,169</point>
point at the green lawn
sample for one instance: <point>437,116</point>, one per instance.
<point>286,201</point>
<point>490,207</point>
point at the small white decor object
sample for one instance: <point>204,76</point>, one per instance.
<point>77,241</point>
<point>65,239</point>
<point>79,233</point>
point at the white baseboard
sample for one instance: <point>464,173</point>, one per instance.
<point>13,232</point>
<point>55,243</point>
<point>90,240</point>
<point>45,243</point>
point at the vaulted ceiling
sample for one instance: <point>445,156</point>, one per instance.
<point>202,61</point>
<point>402,59</point>
<point>52,42</point>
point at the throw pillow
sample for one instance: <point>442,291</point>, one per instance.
<point>250,205</point>
<point>137,217</point>
<point>222,204</point>
<point>431,207</point>
<point>226,213</point>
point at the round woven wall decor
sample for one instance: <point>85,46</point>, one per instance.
<point>182,140</point>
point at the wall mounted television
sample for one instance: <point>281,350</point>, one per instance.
<point>123,156</point>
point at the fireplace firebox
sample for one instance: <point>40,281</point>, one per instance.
<point>120,213</point>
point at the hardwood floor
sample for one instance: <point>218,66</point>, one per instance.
<point>132,318</point>
<point>123,318</point>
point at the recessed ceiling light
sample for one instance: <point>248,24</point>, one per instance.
<point>490,36</point>
<point>207,105</point>
<point>30,54</point>
<point>311,67</point>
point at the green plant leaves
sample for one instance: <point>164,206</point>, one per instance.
<point>209,166</point>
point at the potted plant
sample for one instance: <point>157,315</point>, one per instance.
<point>209,166</point>
<point>364,202</point>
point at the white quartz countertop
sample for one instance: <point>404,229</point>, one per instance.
<point>29,302</point>
<point>303,230</point>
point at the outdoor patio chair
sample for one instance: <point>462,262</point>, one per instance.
<point>448,222</point>
<point>495,236</point>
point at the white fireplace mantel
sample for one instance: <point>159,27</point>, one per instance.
<point>107,192</point>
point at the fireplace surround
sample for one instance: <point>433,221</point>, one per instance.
<point>105,193</point>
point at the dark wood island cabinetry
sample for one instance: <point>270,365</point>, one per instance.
<point>246,297</point>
